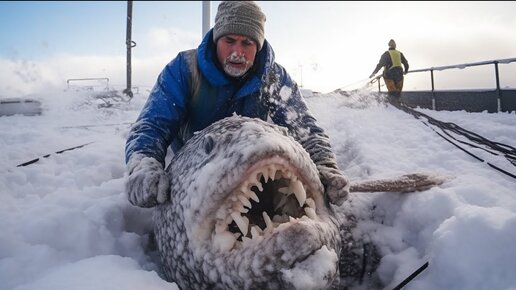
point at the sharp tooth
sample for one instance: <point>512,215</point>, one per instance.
<point>258,185</point>
<point>310,212</point>
<point>272,171</point>
<point>305,218</point>
<point>282,202</point>
<point>244,201</point>
<point>241,221</point>
<point>239,208</point>
<point>291,219</point>
<point>310,202</point>
<point>277,175</point>
<point>265,175</point>
<point>268,222</point>
<point>255,231</point>
<point>299,191</point>
<point>284,190</point>
<point>251,195</point>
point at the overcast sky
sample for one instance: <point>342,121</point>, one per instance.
<point>324,45</point>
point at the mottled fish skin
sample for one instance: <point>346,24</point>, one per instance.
<point>205,176</point>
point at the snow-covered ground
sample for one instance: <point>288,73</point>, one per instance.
<point>66,224</point>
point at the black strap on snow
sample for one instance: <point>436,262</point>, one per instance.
<point>508,151</point>
<point>412,276</point>
<point>45,156</point>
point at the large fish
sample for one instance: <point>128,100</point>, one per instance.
<point>247,211</point>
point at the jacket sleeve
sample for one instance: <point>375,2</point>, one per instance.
<point>383,62</point>
<point>162,114</point>
<point>405,62</point>
<point>288,109</point>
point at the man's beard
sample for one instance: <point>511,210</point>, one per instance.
<point>233,71</point>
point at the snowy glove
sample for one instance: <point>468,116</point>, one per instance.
<point>147,184</point>
<point>336,185</point>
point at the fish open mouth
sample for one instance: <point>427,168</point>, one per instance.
<point>272,193</point>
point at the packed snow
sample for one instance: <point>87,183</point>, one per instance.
<point>65,221</point>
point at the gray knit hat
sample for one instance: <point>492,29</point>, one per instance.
<point>240,17</point>
<point>392,43</point>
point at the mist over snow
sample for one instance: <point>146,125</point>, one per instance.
<point>66,224</point>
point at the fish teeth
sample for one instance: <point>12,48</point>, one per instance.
<point>268,222</point>
<point>244,201</point>
<point>260,186</point>
<point>310,202</point>
<point>240,203</point>
<point>265,175</point>
<point>284,190</point>
<point>255,231</point>
<point>282,202</point>
<point>252,195</point>
<point>305,218</point>
<point>241,221</point>
<point>297,188</point>
<point>272,171</point>
<point>310,212</point>
<point>254,180</point>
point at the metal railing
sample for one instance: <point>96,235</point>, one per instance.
<point>68,81</point>
<point>462,66</point>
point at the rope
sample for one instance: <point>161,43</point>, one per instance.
<point>507,151</point>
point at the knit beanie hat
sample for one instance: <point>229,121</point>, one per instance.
<point>392,43</point>
<point>240,17</point>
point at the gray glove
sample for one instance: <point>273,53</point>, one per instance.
<point>336,185</point>
<point>147,184</point>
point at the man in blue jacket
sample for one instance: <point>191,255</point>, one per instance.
<point>232,71</point>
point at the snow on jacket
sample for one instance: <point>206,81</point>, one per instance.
<point>170,116</point>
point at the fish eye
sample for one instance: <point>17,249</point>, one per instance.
<point>208,144</point>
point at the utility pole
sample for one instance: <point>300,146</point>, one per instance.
<point>301,74</point>
<point>129,44</point>
<point>206,6</point>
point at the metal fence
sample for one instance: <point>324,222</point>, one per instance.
<point>497,100</point>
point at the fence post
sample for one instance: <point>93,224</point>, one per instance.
<point>433,88</point>
<point>498,91</point>
<point>129,44</point>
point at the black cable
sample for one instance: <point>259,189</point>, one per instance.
<point>412,276</point>
<point>45,156</point>
<point>508,153</point>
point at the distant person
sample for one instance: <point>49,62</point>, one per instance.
<point>232,71</point>
<point>391,61</point>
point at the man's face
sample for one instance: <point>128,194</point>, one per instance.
<point>236,54</point>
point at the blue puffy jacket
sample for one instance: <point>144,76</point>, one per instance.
<point>192,92</point>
